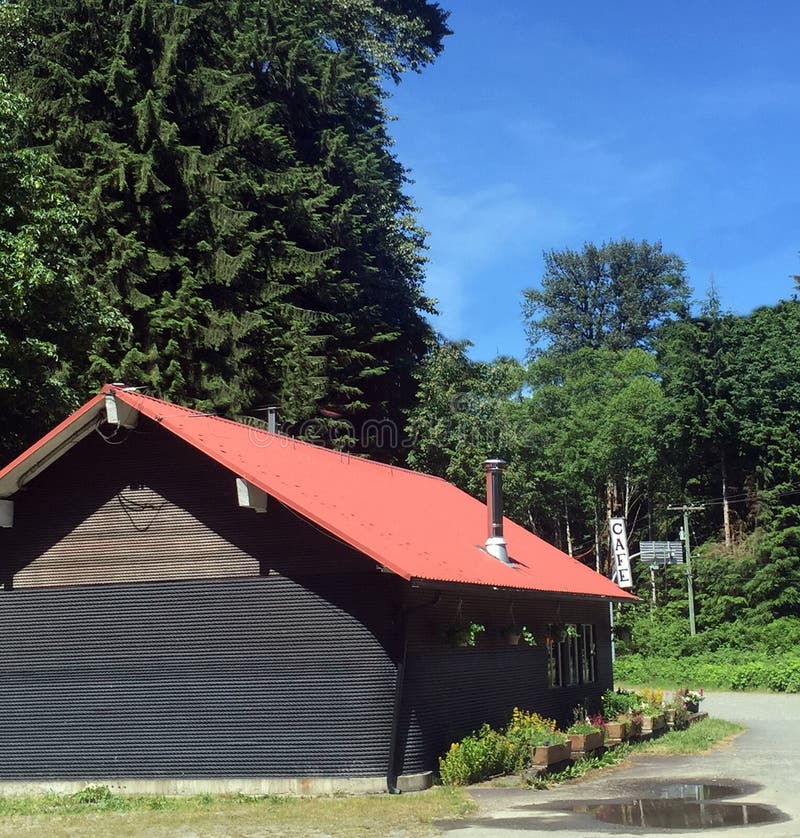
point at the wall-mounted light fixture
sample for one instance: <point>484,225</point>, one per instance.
<point>250,496</point>
<point>6,513</point>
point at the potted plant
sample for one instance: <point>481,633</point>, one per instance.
<point>561,631</point>
<point>514,634</point>
<point>654,721</point>
<point>535,739</point>
<point>549,747</point>
<point>634,721</point>
<point>677,716</point>
<point>691,699</point>
<point>617,730</point>
<point>465,634</point>
<point>585,737</point>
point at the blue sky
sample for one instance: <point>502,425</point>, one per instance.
<point>547,125</point>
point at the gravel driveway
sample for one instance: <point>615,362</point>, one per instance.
<point>763,763</point>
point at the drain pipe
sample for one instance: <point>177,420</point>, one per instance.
<point>393,772</point>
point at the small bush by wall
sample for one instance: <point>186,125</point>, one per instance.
<point>483,754</point>
<point>487,752</point>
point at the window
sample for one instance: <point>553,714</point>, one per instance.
<point>571,655</point>
<point>588,655</point>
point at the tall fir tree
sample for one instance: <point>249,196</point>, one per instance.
<point>244,212</point>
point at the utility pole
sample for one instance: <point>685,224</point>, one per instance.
<point>687,546</point>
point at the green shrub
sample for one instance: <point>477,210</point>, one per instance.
<point>528,730</point>
<point>784,676</point>
<point>712,674</point>
<point>483,754</point>
<point>725,669</point>
<point>618,703</point>
<point>486,752</point>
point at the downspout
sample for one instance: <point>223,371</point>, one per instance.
<point>392,772</point>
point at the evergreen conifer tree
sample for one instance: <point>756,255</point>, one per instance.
<point>244,212</point>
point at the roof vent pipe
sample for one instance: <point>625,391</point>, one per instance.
<point>495,543</point>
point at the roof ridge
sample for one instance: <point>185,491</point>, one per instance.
<point>295,440</point>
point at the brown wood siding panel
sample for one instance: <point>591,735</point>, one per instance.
<point>453,691</point>
<point>223,678</point>
<point>153,508</point>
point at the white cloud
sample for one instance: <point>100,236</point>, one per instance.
<point>486,237</point>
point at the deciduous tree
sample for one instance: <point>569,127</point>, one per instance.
<point>610,297</point>
<point>48,321</point>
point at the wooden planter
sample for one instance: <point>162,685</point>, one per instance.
<point>583,743</point>
<point>543,755</point>
<point>617,732</point>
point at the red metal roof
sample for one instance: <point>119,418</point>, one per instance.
<point>420,527</point>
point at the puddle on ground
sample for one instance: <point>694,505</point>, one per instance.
<point>675,813</point>
<point>686,804</point>
<point>646,804</point>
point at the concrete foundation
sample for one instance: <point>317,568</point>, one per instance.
<point>307,786</point>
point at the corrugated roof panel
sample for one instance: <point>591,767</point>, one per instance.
<point>420,527</point>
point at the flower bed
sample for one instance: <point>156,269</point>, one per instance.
<point>530,741</point>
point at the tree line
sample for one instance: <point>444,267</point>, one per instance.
<point>628,403</point>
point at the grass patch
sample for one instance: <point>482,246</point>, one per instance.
<point>701,736</point>
<point>97,812</point>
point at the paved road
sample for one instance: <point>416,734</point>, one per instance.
<point>763,763</point>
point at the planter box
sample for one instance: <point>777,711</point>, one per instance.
<point>617,732</point>
<point>583,743</point>
<point>653,725</point>
<point>550,754</point>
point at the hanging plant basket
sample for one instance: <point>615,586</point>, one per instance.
<point>465,634</point>
<point>517,635</point>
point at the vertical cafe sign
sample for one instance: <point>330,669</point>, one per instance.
<point>619,549</point>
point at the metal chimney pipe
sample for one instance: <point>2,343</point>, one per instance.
<point>272,419</point>
<point>495,543</point>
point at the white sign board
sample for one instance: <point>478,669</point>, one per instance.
<point>619,549</point>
